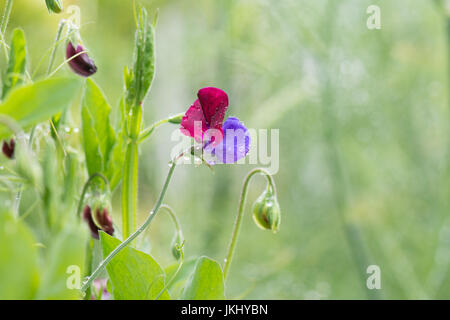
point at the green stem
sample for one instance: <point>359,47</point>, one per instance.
<point>6,14</point>
<point>89,258</point>
<point>130,174</point>
<point>240,215</point>
<point>85,188</point>
<point>175,119</point>
<point>174,276</point>
<point>174,218</point>
<point>4,45</point>
<point>148,131</point>
<point>66,61</point>
<point>129,189</point>
<point>179,247</point>
<point>133,236</point>
<point>61,25</point>
<point>53,128</point>
<point>49,51</point>
<point>3,26</point>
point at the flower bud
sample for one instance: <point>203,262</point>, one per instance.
<point>8,148</point>
<point>266,211</point>
<point>54,6</point>
<point>177,243</point>
<point>139,79</point>
<point>81,64</point>
<point>176,119</point>
<point>99,221</point>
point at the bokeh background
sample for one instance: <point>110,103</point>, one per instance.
<point>364,135</point>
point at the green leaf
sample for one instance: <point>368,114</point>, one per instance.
<point>99,137</point>
<point>177,285</point>
<point>64,265</point>
<point>139,81</point>
<point>133,274</point>
<point>19,274</point>
<point>15,71</point>
<point>206,282</point>
<point>115,164</point>
<point>37,102</point>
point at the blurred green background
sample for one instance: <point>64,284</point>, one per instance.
<point>364,135</point>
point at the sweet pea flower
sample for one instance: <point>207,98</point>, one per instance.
<point>229,141</point>
<point>81,64</point>
<point>101,221</point>
<point>235,144</point>
<point>206,113</point>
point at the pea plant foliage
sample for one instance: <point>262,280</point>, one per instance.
<point>59,173</point>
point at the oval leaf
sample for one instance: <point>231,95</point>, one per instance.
<point>15,72</point>
<point>37,102</point>
<point>134,274</point>
<point>206,282</point>
<point>103,148</point>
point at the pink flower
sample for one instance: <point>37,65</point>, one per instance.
<point>207,112</point>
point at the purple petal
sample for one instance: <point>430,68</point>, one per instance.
<point>81,64</point>
<point>235,144</point>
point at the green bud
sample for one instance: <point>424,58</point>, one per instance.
<point>266,211</point>
<point>177,243</point>
<point>127,77</point>
<point>54,6</point>
<point>139,79</point>
<point>176,119</point>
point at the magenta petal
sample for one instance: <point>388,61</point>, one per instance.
<point>214,102</point>
<point>206,113</point>
<point>193,115</point>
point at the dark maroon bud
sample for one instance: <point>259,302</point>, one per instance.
<point>81,64</point>
<point>102,221</point>
<point>8,148</point>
